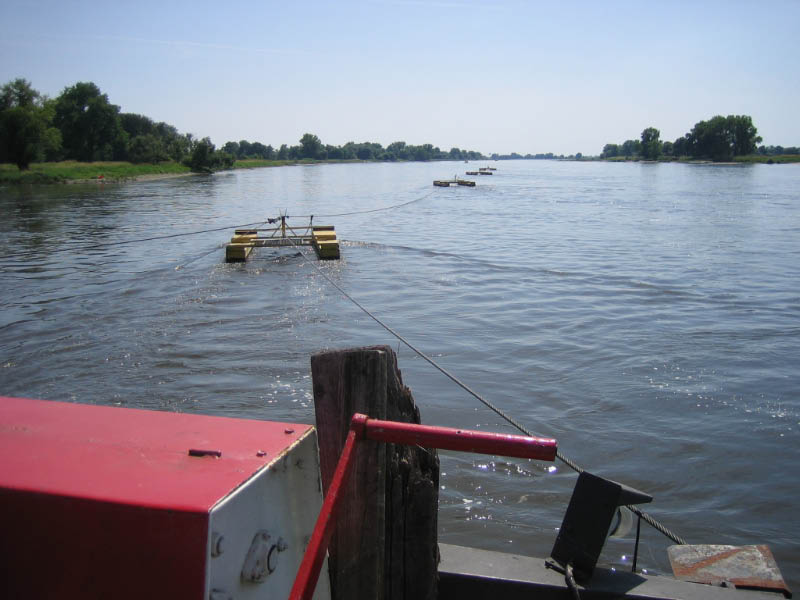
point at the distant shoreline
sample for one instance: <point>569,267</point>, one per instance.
<point>72,172</point>
<point>134,178</point>
<point>777,159</point>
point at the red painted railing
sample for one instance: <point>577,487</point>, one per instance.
<point>445,438</point>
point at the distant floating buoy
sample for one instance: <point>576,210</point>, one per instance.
<point>448,183</point>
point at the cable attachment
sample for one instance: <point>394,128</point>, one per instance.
<point>569,576</point>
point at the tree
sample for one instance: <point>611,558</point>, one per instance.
<point>26,133</point>
<point>609,151</point>
<point>334,152</point>
<point>630,147</point>
<point>231,148</point>
<point>651,145</point>
<point>398,150</point>
<point>259,150</point>
<point>206,158</point>
<point>423,152</point>
<point>721,138</point>
<point>146,148</point>
<point>708,139</point>
<point>681,146</point>
<point>90,125</point>
<point>311,146</point>
<point>744,134</point>
<point>365,152</point>
<point>134,124</point>
<point>18,93</point>
<point>244,149</point>
<point>21,129</point>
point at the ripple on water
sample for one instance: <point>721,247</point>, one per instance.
<point>646,316</point>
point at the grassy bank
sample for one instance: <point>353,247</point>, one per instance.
<point>71,171</point>
<point>60,172</point>
<point>749,158</point>
<point>257,163</point>
<point>776,159</point>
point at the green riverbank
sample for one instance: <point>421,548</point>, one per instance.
<point>115,172</point>
<point>747,159</point>
<point>73,171</point>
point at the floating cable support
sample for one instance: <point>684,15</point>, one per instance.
<point>567,461</point>
<point>242,226</point>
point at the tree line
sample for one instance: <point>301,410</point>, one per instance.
<point>311,147</point>
<point>82,124</point>
<point>537,156</point>
<point>718,139</point>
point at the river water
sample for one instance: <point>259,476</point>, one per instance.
<point>645,315</point>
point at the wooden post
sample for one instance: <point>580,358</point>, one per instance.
<point>384,546</point>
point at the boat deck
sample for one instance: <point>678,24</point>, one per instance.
<point>484,574</point>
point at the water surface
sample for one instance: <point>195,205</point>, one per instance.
<point>648,316</point>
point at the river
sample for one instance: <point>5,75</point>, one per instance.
<point>645,315</point>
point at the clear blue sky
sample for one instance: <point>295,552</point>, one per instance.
<point>490,76</point>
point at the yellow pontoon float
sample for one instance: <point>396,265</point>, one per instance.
<point>321,237</point>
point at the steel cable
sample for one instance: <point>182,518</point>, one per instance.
<point>570,463</point>
<point>363,212</point>
<point>161,237</point>
<point>264,222</point>
<point>574,466</point>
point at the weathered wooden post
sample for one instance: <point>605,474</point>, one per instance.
<point>385,545</point>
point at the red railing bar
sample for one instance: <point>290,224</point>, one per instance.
<point>464,440</point>
<point>445,438</point>
<point>306,581</point>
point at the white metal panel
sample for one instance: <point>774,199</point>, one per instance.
<point>271,518</point>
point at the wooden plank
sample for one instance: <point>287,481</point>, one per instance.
<point>412,501</point>
<point>385,544</point>
<point>346,382</point>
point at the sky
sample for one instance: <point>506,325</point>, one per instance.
<point>492,76</point>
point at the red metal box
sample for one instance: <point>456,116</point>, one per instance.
<point>105,502</point>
